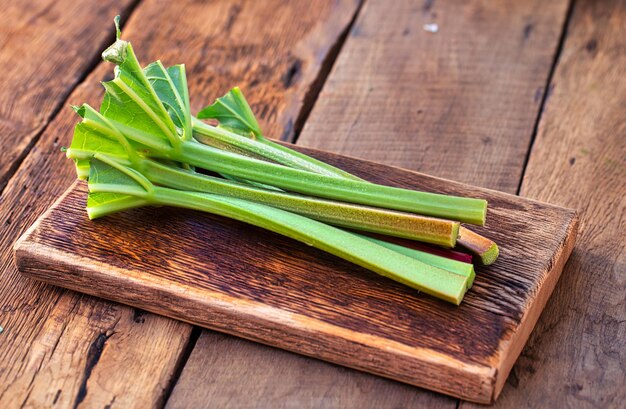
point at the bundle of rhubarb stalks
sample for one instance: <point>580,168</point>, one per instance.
<point>143,147</point>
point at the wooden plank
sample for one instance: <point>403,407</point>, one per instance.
<point>47,47</point>
<point>460,103</point>
<point>244,374</point>
<point>283,293</point>
<point>504,64</point>
<point>577,354</point>
<point>56,340</point>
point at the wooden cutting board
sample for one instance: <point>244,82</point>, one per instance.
<point>245,281</point>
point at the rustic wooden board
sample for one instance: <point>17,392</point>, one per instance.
<point>276,291</point>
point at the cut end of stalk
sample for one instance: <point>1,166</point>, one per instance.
<point>471,277</point>
<point>490,256</point>
<point>453,296</point>
<point>93,213</point>
<point>484,212</point>
<point>457,298</point>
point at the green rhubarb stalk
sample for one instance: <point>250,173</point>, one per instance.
<point>109,177</point>
<point>132,105</point>
<point>372,219</point>
<point>238,118</point>
<point>97,134</point>
<point>330,187</point>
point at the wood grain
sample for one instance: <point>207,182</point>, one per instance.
<point>460,103</point>
<point>47,46</point>
<point>56,340</point>
<point>228,366</point>
<point>577,355</point>
<point>280,292</point>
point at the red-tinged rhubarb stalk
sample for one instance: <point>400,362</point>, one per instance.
<point>449,253</point>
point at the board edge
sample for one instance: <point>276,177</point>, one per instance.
<point>479,378</point>
<point>510,348</point>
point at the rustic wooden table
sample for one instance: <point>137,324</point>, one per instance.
<point>527,97</point>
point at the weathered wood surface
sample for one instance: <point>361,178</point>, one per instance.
<point>46,48</point>
<point>265,287</point>
<point>237,373</point>
<point>391,49</point>
<point>588,348</point>
<point>61,347</point>
<point>460,103</point>
<point>576,357</point>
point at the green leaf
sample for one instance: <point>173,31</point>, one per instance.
<point>117,178</point>
<point>105,199</point>
<point>132,116</point>
<point>92,135</point>
<point>128,107</point>
<point>103,172</point>
<point>130,98</point>
<point>233,113</point>
<point>96,134</point>
<point>170,86</point>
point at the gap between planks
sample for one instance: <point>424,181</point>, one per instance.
<point>546,91</point>
<point>313,93</point>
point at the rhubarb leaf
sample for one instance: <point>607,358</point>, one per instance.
<point>93,134</point>
<point>233,113</point>
<point>130,99</point>
<point>170,86</point>
<point>102,172</point>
